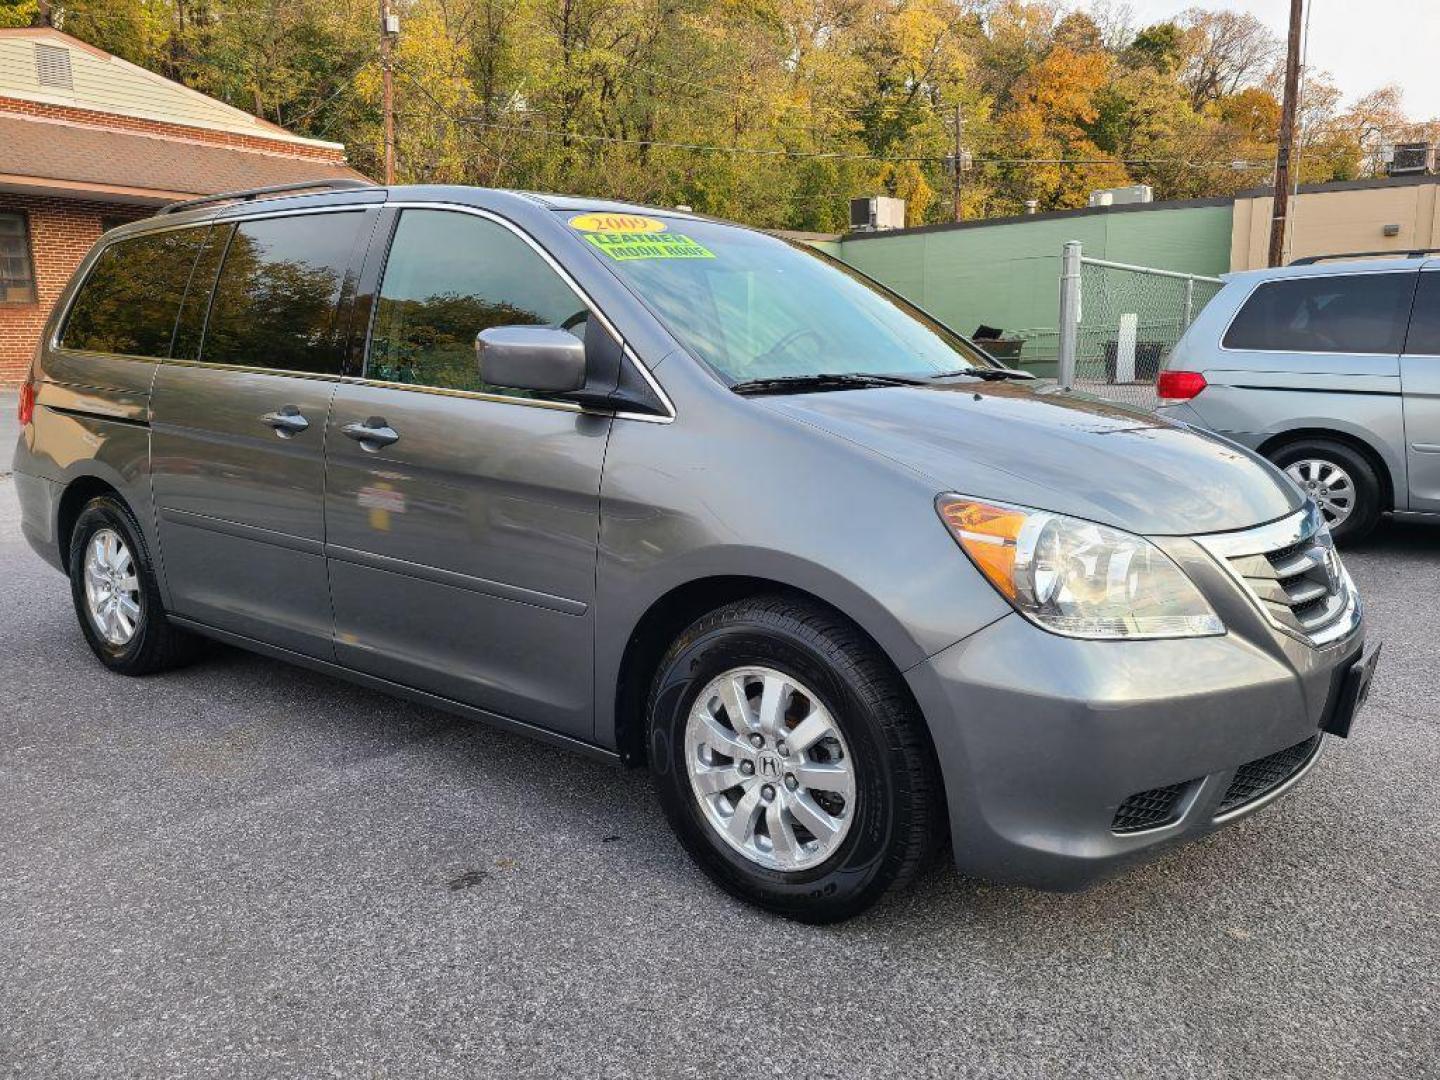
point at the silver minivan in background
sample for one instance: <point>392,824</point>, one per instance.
<point>673,492</point>
<point>1332,371</point>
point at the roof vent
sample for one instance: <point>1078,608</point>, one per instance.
<point>52,66</point>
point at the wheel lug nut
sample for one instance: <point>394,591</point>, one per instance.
<point>757,741</point>
<point>767,793</point>
<point>791,783</point>
<point>747,768</point>
<point>783,750</point>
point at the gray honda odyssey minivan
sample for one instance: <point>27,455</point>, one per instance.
<point>1330,369</point>
<point>675,492</point>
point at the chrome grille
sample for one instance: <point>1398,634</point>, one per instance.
<point>1292,572</point>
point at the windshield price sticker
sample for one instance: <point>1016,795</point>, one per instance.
<point>623,246</point>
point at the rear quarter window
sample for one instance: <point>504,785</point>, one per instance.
<point>1357,313</point>
<point>130,299</point>
<point>1424,339</point>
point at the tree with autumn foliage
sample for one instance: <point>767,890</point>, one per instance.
<point>770,111</point>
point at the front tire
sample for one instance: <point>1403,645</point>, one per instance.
<point>112,582</point>
<point>791,761</point>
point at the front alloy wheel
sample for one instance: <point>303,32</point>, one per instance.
<point>769,768</point>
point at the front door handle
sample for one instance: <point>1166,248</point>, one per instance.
<point>372,434</point>
<point>286,420</point>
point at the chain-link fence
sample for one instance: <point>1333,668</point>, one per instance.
<point>1119,322</point>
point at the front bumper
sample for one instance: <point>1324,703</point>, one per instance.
<point>1041,739</point>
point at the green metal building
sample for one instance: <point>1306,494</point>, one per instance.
<point>1005,272</point>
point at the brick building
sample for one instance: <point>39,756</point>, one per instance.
<point>88,141</point>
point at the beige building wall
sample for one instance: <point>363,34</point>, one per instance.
<point>1335,221</point>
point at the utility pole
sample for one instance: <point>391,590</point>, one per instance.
<point>959,161</point>
<point>1287,135</point>
<point>389,28</point>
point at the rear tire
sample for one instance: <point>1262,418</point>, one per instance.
<point>1330,472</point>
<point>112,582</point>
<point>887,815</point>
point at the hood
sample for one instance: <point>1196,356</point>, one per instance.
<point>1011,443</point>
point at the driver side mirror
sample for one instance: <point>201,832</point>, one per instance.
<point>539,358</point>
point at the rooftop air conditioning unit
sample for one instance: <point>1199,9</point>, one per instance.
<point>1123,196</point>
<point>877,214</point>
<point>1412,158</point>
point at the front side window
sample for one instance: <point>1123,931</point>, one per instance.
<point>17,271</point>
<point>278,295</point>
<point>1354,313</point>
<point>1424,339</point>
<point>449,276</point>
<point>755,307</point>
<point>131,297</point>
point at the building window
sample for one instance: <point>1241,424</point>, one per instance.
<point>17,271</point>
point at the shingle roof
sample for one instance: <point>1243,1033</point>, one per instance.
<point>54,150</point>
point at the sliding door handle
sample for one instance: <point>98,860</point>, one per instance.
<point>372,434</point>
<point>286,420</point>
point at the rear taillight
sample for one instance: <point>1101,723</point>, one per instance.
<point>26,409</point>
<point>1179,385</point>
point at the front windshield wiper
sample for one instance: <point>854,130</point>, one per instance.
<point>838,380</point>
<point>988,374</point>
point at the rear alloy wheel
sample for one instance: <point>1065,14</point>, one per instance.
<point>791,760</point>
<point>1339,479</point>
<point>116,598</point>
<point>1328,484</point>
<point>112,589</point>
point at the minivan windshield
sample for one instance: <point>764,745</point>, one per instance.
<point>757,308</point>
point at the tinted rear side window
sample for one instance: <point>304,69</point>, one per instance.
<point>1424,336</point>
<point>1361,313</point>
<point>278,295</point>
<point>129,302</point>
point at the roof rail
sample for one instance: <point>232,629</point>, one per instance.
<point>1417,253</point>
<point>337,184</point>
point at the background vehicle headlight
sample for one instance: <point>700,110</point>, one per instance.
<point>1075,577</point>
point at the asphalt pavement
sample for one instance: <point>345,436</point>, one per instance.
<point>246,870</point>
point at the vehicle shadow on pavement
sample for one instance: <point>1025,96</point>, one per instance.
<point>1400,538</point>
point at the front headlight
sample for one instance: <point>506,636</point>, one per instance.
<point>1075,577</point>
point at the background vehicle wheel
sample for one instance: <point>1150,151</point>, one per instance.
<point>1339,479</point>
<point>112,582</point>
<point>790,760</point>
